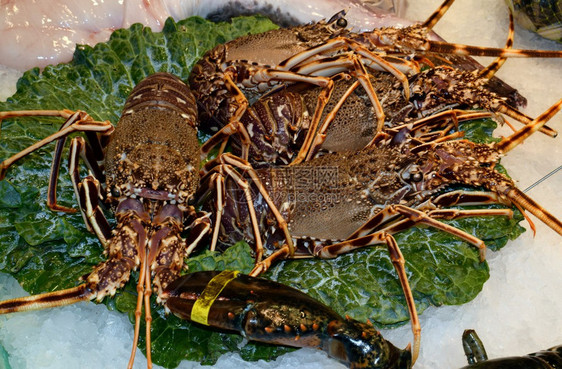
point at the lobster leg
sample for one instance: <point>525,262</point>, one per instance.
<point>78,121</point>
<point>88,192</point>
<point>220,172</point>
<point>227,165</point>
<point>361,74</point>
<point>437,126</point>
<point>239,104</point>
<point>362,237</point>
<point>75,122</point>
<point>321,134</point>
<point>200,226</point>
<point>322,101</point>
<point>214,182</point>
<point>425,130</point>
<point>398,261</point>
<point>468,198</point>
<point>300,63</point>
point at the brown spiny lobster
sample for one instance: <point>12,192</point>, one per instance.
<point>224,78</point>
<point>147,170</point>
<point>267,311</point>
<point>220,78</point>
<point>278,123</point>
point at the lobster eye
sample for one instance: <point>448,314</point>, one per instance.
<point>342,22</point>
<point>115,192</point>
<point>416,177</point>
<point>418,96</point>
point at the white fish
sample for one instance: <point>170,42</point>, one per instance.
<point>36,33</point>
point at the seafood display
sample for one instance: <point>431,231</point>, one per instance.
<point>254,200</point>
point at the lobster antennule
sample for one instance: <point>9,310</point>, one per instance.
<point>508,143</point>
<point>47,300</point>
<point>518,197</point>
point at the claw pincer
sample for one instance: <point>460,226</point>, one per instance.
<point>267,311</point>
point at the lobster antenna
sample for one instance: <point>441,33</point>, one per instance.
<point>519,198</point>
<point>47,300</point>
<point>460,49</point>
<point>491,69</point>
<point>508,143</point>
<point>525,119</point>
<point>437,15</point>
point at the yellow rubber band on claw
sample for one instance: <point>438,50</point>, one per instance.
<point>201,307</point>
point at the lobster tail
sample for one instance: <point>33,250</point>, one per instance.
<point>47,300</point>
<point>519,198</point>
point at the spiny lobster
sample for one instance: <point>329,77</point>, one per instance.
<point>214,77</point>
<point>278,123</point>
<point>150,166</point>
<point>226,75</point>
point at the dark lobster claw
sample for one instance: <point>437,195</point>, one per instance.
<point>267,311</point>
<point>478,359</point>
